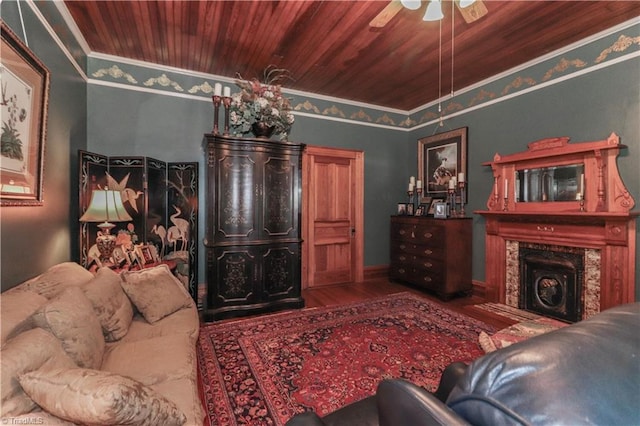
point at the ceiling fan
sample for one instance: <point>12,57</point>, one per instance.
<point>470,10</point>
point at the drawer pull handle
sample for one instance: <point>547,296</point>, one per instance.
<point>428,264</point>
<point>401,270</point>
<point>427,251</point>
<point>402,232</point>
<point>428,235</point>
<point>403,258</point>
<point>402,246</point>
<point>545,228</point>
<point>427,279</point>
<point>413,234</point>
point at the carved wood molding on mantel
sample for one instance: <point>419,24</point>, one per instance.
<point>599,218</point>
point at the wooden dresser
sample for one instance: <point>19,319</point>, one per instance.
<point>434,254</point>
<point>252,237</point>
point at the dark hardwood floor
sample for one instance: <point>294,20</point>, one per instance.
<point>357,292</point>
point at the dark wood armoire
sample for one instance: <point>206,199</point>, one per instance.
<point>252,237</point>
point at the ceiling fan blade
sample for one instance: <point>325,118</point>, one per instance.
<point>386,14</point>
<point>473,12</point>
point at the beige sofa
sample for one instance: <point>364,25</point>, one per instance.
<point>78,348</point>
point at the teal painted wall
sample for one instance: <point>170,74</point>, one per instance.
<point>34,238</point>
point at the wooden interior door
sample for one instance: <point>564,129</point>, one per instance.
<point>332,216</point>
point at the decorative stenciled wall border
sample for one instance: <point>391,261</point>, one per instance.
<point>617,44</point>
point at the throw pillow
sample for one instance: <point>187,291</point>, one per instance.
<point>58,278</point>
<point>111,305</point>
<point>99,398</point>
<point>32,350</point>
<point>16,305</point>
<point>70,318</point>
<point>156,292</point>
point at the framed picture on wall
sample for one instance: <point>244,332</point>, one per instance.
<point>25,93</point>
<point>442,157</point>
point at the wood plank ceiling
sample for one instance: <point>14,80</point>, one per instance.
<point>330,48</point>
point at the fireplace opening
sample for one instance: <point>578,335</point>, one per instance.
<point>551,280</point>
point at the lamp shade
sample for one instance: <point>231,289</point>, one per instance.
<point>434,11</point>
<point>105,206</point>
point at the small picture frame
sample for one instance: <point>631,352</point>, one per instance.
<point>119,256</point>
<point>144,255</point>
<point>432,206</point>
<point>409,209</point>
<point>440,210</point>
<point>420,210</point>
<point>402,209</point>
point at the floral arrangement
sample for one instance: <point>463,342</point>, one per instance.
<point>261,102</point>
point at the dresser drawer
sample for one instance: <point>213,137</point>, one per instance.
<point>417,262</point>
<point>417,276</point>
<point>422,250</point>
<point>417,233</point>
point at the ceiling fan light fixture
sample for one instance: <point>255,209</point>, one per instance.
<point>434,11</point>
<point>466,3</point>
<point>411,4</point>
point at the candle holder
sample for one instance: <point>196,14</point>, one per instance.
<point>582,209</point>
<point>505,206</point>
<point>461,187</point>
<point>216,109</point>
<point>410,195</point>
<point>227,103</point>
<point>419,194</point>
<point>452,202</point>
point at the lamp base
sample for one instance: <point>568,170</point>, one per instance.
<point>106,242</point>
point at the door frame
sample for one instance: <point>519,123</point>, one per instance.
<point>358,203</point>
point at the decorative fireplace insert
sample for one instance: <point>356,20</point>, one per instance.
<point>551,280</point>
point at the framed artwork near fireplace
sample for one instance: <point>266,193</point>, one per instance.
<point>25,91</point>
<point>441,158</point>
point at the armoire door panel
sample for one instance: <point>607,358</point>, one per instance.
<point>281,267</point>
<point>238,192</point>
<point>279,197</point>
<point>234,270</point>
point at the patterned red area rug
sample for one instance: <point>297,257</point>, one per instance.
<point>263,370</point>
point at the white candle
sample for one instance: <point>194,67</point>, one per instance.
<point>419,184</point>
<point>412,180</point>
<point>452,183</point>
<point>460,177</point>
<point>582,184</point>
<point>227,91</point>
<point>217,90</point>
<point>410,187</point>
<point>506,187</point>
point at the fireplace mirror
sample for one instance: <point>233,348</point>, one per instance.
<point>558,183</point>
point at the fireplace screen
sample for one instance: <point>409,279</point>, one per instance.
<point>551,282</point>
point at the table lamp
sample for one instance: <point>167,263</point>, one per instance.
<point>106,207</point>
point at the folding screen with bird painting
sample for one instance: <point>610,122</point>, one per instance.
<point>162,200</point>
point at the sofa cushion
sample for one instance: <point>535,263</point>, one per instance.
<point>584,372</point>
<point>111,304</point>
<point>182,321</point>
<point>173,372</point>
<point>99,398</point>
<point>34,349</point>
<point>155,292</point>
<point>70,318</point>
<point>16,305</point>
<point>58,278</point>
